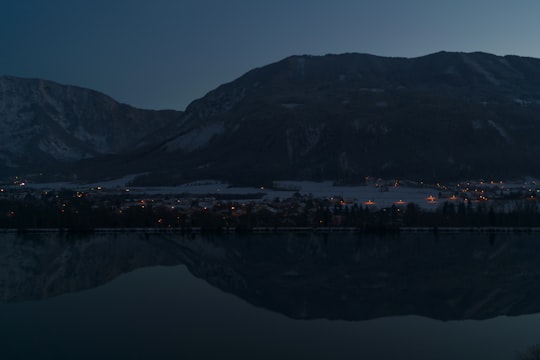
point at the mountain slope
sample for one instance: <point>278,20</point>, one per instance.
<point>43,123</point>
<point>343,117</point>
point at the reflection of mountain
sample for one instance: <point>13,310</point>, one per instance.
<point>38,266</point>
<point>356,278</point>
<point>336,276</point>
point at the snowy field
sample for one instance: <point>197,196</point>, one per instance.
<point>361,195</point>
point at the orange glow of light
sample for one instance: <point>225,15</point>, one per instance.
<point>453,197</point>
<point>400,202</point>
<point>369,202</point>
<point>431,198</point>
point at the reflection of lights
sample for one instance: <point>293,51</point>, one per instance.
<point>369,202</point>
<point>431,198</point>
<point>453,197</point>
<point>400,202</point>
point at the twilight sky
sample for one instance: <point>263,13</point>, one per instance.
<point>165,53</point>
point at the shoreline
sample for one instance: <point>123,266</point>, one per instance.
<point>258,230</point>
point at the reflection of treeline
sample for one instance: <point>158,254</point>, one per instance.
<point>81,214</point>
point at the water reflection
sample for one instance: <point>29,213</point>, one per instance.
<point>307,276</point>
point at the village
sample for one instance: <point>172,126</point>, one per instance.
<point>211,205</point>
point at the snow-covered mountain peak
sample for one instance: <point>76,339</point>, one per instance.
<point>44,121</point>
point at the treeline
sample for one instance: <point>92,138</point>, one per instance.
<point>81,214</point>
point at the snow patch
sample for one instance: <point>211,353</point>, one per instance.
<point>477,125</point>
<point>302,141</point>
<point>526,102</point>
<point>489,77</point>
<point>371,90</point>
<point>100,142</point>
<point>290,106</point>
<point>302,66</point>
<point>196,138</point>
<point>48,99</point>
<point>377,129</point>
<point>450,71</point>
<point>500,130</point>
<point>59,150</point>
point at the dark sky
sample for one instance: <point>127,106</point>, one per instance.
<point>166,53</point>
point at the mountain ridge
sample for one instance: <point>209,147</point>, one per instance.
<point>343,117</point>
<point>45,124</point>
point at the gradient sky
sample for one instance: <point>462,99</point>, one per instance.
<point>165,53</point>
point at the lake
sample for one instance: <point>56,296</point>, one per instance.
<point>268,296</point>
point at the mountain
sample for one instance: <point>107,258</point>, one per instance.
<point>44,125</point>
<point>344,117</point>
<point>336,117</point>
<point>42,265</point>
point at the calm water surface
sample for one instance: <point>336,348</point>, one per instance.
<point>279,296</point>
